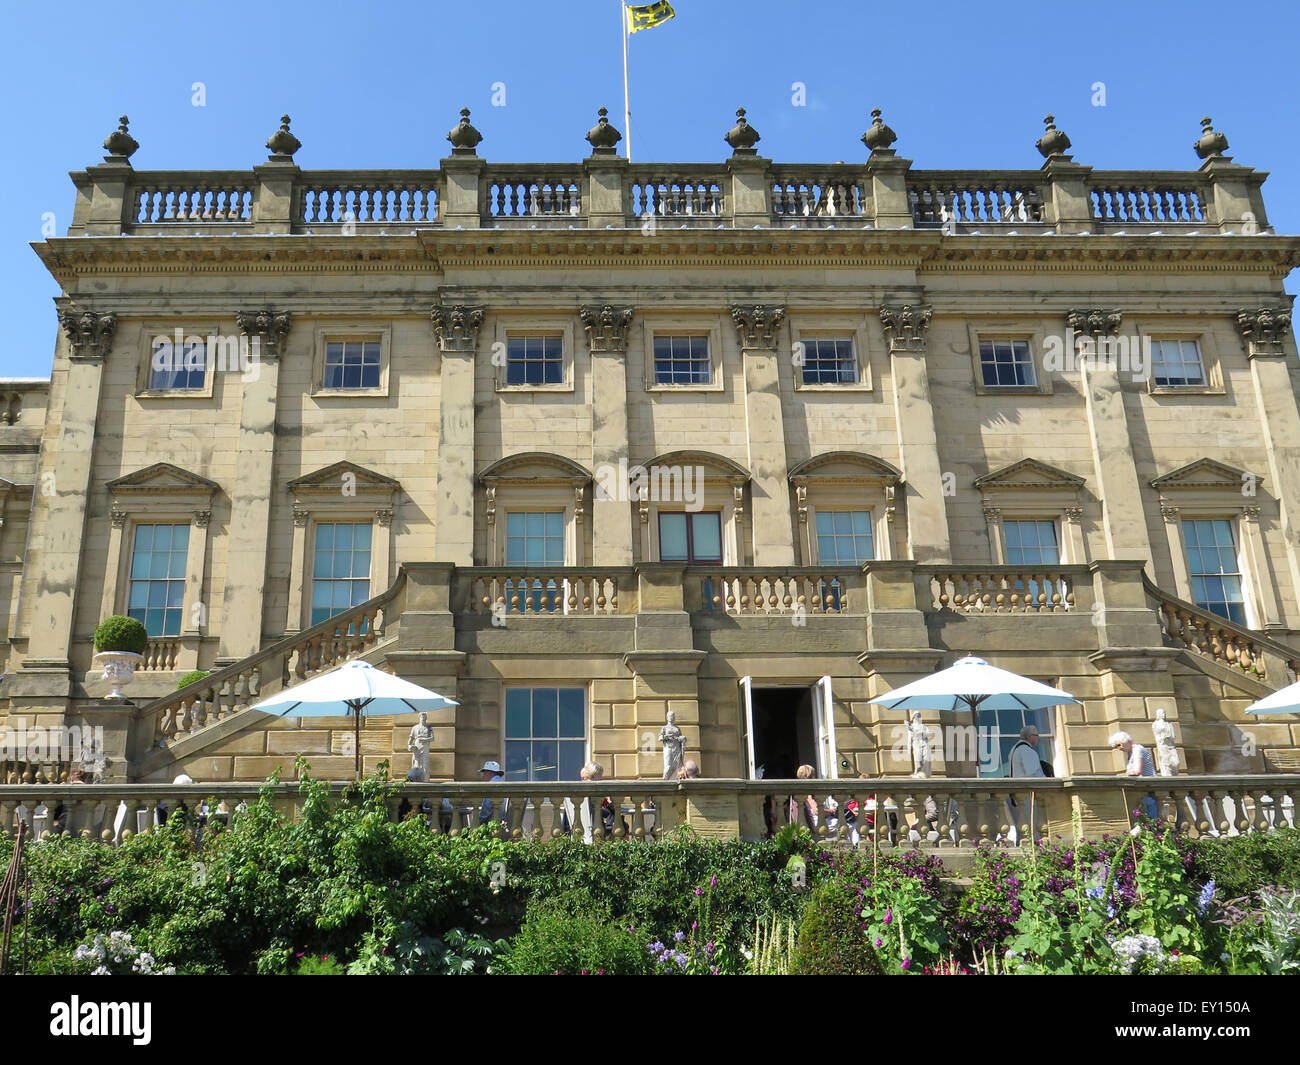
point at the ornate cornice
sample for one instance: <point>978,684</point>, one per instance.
<point>269,326</point>
<point>456,328</point>
<point>89,332</point>
<point>606,327</point>
<point>756,323</point>
<point>905,326</point>
<point>1264,330</point>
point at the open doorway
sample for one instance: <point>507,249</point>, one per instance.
<point>786,727</point>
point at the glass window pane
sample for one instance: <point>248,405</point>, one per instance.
<point>571,759</point>
<point>545,711</point>
<point>572,721</point>
<point>672,538</point>
<point>545,760</point>
<point>518,720</point>
<point>517,760</point>
<point>706,534</point>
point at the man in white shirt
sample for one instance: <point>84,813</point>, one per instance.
<point>1024,762</point>
<point>1138,763</point>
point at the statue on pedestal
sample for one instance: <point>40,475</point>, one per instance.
<point>1166,751</point>
<point>674,742</point>
<point>920,745</point>
<point>418,744</point>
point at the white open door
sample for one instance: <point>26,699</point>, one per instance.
<point>747,722</point>
<point>828,757</point>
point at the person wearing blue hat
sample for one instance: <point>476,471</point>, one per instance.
<point>491,772</point>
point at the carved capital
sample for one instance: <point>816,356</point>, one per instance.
<point>891,499</point>
<point>738,500</point>
<point>268,327</point>
<point>579,497</point>
<point>384,517</point>
<point>757,325</point>
<point>300,516</point>
<point>1074,515</point>
<point>457,328</point>
<point>606,327</point>
<point>993,514</point>
<point>801,500</point>
<point>1169,512</point>
<point>1264,330</point>
<point>118,518</point>
<point>1250,513</point>
<point>201,519</point>
<point>89,333</point>
<point>491,505</point>
<point>1094,322</point>
<point>905,326</point>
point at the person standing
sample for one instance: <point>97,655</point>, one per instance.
<point>1139,764</point>
<point>1025,763</point>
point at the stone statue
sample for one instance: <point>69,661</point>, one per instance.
<point>418,744</point>
<point>1166,751</point>
<point>674,741</point>
<point>920,745</point>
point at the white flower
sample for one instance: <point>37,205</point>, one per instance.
<point>1135,831</point>
<point>102,971</point>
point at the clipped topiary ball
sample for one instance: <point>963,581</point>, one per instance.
<point>121,634</point>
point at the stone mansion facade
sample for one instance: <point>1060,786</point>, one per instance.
<point>578,444</point>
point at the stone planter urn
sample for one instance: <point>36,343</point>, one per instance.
<point>119,669</point>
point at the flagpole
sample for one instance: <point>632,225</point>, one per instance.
<point>627,113</point>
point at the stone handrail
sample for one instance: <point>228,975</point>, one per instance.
<point>1006,589</point>
<point>802,194</point>
<point>905,813</point>
<point>1230,644</point>
<point>529,194</point>
<point>976,197</point>
<point>1146,197</point>
<point>280,665</point>
<point>683,194</point>
<point>172,198</point>
<point>785,590</point>
<point>160,653</point>
<point>511,591</point>
<point>326,200</point>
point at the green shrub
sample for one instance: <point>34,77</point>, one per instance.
<point>554,942</point>
<point>831,940</point>
<point>119,633</point>
<point>1240,864</point>
<point>311,965</point>
<point>192,677</point>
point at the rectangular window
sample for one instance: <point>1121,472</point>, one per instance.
<point>1212,567</point>
<point>1031,543</point>
<point>682,360</point>
<point>174,368</point>
<point>535,360</point>
<point>351,364</point>
<point>341,573</point>
<point>1176,362</point>
<point>157,592</point>
<point>999,731</point>
<point>1006,363</point>
<point>829,361</point>
<point>845,536</point>
<point>690,537</point>
<point>535,538</point>
<point>546,733</point>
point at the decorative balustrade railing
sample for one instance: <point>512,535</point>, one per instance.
<point>522,193</point>
<point>746,591</point>
<point>506,591</point>
<point>190,198</point>
<point>1007,589</point>
<point>931,814</point>
<point>800,195</point>
<point>1138,198</point>
<point>1229,644</point>
<point>684,195</point>
<point>161,653</point>
<point>975,198</point>
<point>284,663</point>
<point>326,198</point>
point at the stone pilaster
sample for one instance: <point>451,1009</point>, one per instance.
<point>456,328</point>
<point>918,442</point>
<point>1123,520</point>
<point>611,513</point>
<point>250,494</point>
<point>765,435</point>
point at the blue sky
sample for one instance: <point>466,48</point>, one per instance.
<point>379,85</point>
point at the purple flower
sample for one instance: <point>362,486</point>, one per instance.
<point>906,962</point>
<point>699,891</point>
<point>695,925</point>
<point>879,942</point>
<point>679,936</point>
<point>681,960</point>
<point>889,915</point>
<point>709,948</point>
<point>713,881</point>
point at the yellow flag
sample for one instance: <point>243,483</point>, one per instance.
<point>648,15</point>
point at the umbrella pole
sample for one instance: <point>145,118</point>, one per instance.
<point>357,710</point>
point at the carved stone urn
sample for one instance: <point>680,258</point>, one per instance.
<point>119,670</point>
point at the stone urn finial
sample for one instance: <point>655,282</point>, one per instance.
<point>1053,142</point>
<point>602,136</point>
<point>282,143</point>
<point>464,138</point>
<point>879,137</point>
<point>1211,144</point>
<point>119,144</point>
<point>742,136</point>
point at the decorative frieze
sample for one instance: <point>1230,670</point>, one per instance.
<point>606,327</point>
<point>757,325</point>
<point>270,327</point>
<point>1094,322</point>
<point>905,327</point>
<point>1264,330</point>
<point>456,328</point>
<point>90,333</point>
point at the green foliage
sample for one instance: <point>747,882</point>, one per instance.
<point>1060,939</point>
<point>192,677</point>
<point>1279,946</point>
<point>118,633</point>
<point>555,942</point>
<point>1240,864</point>
<point>831,939</point>
<point>324,965</point>
<point>1166,900</point>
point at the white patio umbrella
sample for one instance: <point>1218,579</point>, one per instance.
<point>355,689</point>
<point>1283,701</point>
<point>973,683</point>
